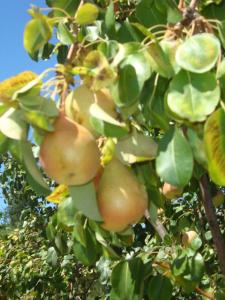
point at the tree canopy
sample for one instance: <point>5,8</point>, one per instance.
<point>125,135</point>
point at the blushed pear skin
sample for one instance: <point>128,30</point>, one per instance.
<point>122,200</point>
<point>69,155</point>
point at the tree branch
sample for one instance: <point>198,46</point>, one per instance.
<point>158,226</point>
<point>193,4</point>
<point>212,220</point>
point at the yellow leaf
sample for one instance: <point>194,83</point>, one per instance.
<point>59,193</point>
<point>9,86</point>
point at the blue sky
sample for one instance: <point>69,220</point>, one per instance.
<point>13,57</point>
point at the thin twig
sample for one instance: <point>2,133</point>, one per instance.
<point>203,293</point>
<point>212,220</point>
<point>193,4</point>
<point>166,266</point>
<point>158,226</point>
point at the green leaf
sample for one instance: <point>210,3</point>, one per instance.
<point>66,212</point>
<point>84,198</point>
<point>13,125</point>
<point>64,35</point>
<point>159,288</point>
<point>199,53</point>
<point>69,6</point>
<point>37,33</point>
<point>86,14</point>
<point>197,146</point>
<point>160,60</point>
<point>169,48</point>
<point>180,265</point>
<point>197,266</point>
<point>128,77</point>
<point>127,279</point>
<point>196,243</point>
<point>193,96</point>
<point>136,147</point>
<point>221,76</point>
<point>174,163</point>
<point>89,254</point>
<point>148,14</point>
<point>221,30</point>
<point>31,165</point>
<point>52,256</point>
<point>152,100</point>
<point>105,124</point>
<point>3,143</point>
<point>214,141</point>
<point>38,119</point>
<point>140,62</point>
<point>110,20</point>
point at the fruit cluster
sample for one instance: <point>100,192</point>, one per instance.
<point>70,155</point>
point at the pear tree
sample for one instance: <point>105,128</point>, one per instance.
<point>130,126</point>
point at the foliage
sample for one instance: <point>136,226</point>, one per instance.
<point>162,65</point>
<point>31,268</point>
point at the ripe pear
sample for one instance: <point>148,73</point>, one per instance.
<point>121,199</point>
<point>78,103</point>
<point>188,237</point>
<point>69,155</point>
<point>170,191</point>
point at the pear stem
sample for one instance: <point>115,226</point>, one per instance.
<point>158,226</point>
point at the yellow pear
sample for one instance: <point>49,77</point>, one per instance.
<point>69,155</point>
<point>78,103</point>
<point>170,191</point>
<point>122,200</point>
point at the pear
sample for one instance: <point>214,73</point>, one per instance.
<point>121,199</point>
<point>188,237</point>
<point>170,191</point>
<point>78,103</point>
<point>69,155</point>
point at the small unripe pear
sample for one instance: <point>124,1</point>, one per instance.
<point>170,191</point>
<point>188,237</point>
<point>122,200</point>
<point>69,155</point>
<point>78,103</point>
<point>218,199</point>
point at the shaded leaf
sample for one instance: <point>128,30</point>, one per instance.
<point>159,288</point>
<point>174,163</point>
<point>84,198</point>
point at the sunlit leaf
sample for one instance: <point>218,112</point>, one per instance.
<point>58,194</point>
<point>193,96</point>
<point>214,140</point>
<point>86,14</point>
<point>36,34</point>
<point>105,124</point>
<point>199,53</point>
<point>13,125</point>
